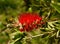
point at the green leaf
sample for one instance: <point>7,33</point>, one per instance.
<point>57,7</point>
<point>14,41</point>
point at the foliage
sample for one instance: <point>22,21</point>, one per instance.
<point>49,33</point>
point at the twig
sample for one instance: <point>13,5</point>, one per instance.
<point>37,35</point>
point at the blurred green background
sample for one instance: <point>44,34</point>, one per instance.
<point>49,10</point>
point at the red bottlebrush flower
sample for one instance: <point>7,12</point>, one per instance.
<point>29,21</point>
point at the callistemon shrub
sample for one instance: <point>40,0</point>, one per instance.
<point>29,21</point>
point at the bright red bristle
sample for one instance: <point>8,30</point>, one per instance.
<point>27,20</point>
